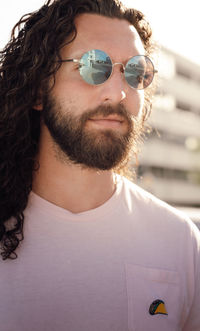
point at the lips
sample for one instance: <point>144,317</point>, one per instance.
<point>114,118</point>
<point>109,122</point>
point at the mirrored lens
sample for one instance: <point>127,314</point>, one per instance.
<point>139,72</point>
<point>95,67</point>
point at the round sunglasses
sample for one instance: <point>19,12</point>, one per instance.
<point>96,67</point>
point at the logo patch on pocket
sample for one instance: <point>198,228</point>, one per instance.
<point>157,307</point>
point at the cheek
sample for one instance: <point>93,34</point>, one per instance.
<point>71,98</point>
<point>74,93</point>
<point>136,103</point>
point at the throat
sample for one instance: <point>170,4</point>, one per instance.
<point>78,193</point>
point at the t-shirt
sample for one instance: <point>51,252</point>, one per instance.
<point>132,264</point>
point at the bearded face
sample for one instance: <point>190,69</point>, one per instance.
<point>99,148</point>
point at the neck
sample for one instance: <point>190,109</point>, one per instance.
<point>69,186</point>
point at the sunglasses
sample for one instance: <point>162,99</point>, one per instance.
<point>95,67</point>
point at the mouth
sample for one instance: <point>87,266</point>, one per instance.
<point>112,117</point>
<point>111,121</point>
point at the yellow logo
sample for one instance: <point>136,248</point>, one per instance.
<point>157,307</point>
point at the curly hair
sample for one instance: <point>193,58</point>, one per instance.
<point>26,64</point>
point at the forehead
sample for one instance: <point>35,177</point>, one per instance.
<point>116,37</point>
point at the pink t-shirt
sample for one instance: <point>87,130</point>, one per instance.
<point>101,270</point>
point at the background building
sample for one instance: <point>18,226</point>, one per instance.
<point>170,158</point>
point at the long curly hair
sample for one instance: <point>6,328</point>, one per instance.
<point>27,63</point>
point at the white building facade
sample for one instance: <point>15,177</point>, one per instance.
<point>170,158</point>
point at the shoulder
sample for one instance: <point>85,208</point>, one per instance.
<point>153,211</point>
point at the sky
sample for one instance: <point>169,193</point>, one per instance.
<point>175,23</point>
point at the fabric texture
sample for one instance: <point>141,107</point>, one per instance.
<point>101,270</point>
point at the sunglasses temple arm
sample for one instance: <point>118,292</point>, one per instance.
<point>69,60</point>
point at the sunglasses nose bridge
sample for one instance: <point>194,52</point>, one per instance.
<point>123,67</point>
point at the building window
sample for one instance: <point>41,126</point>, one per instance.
<point>181,72</point>
<point>182,105</point>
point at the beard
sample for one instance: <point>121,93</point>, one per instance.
<point>101,149</point>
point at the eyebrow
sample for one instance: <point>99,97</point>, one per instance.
<point>77,55</point>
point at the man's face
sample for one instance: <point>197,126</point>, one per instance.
<point>95,125</point>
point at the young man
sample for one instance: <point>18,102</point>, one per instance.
<point>99,253</point>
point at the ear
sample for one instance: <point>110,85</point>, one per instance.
<point>38,107</point>
<point>38,104</point>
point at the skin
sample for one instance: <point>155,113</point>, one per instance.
<point>57,180</point>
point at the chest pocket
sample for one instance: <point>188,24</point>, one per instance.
<point>148,287</point>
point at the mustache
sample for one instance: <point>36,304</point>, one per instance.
<point>119,110</point>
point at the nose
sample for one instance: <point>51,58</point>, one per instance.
<point>115,89</point>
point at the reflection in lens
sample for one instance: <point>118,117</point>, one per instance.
<point>95,67</point>
<point>139,72</point>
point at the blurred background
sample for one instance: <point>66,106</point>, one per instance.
<point>170,158</point>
